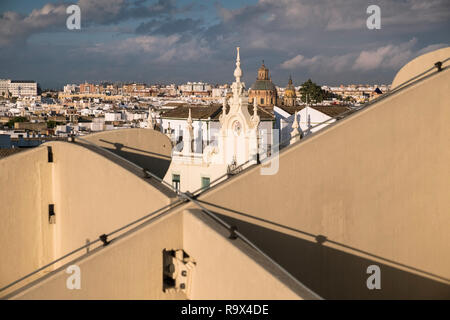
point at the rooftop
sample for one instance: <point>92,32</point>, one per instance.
<point>370,189</point>
<point>263,85</point>
<point>209,112</point>
<point>331,111</point>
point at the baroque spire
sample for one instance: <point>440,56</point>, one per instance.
<point>238,71</point>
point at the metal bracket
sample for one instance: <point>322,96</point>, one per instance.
<point>146,175</point>
<point>104,239</point>
<point>233,235</point>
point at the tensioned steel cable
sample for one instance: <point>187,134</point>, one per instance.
<point>350,111</point>
<point>185,197</point>
<point>232,230</point>
<point>335,118</point>
<point>88,245</point>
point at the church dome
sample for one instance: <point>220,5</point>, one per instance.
<point>263,72</point>
<point>263,68</point>
<point>289,92</point>
<point>263,81</point>
<point>263,89</point>
<point>263,85</point>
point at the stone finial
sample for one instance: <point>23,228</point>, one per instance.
<point>150,119</point>
<point>189,119</point>
<point>295,123</point>
<point>238,71</point>
<point>295,133</point>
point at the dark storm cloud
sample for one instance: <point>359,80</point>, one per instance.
<point>324,39</point>
<point>17,27</point>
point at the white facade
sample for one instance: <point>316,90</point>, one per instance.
<point>195,87</point>
<point>220,92</point>
<point>4,86</point>
<point>113,116</point>
<point>307,118</point>
<point>236,141</point>
<point>23,88</point>
<point>70,88</point>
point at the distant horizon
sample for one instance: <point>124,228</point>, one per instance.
<point>61,87</point>
<point>175,41</point>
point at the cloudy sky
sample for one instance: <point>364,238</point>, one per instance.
<point>167,41</point>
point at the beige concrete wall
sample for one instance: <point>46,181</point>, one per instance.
<point>420,64</point>
<point>371,189</point>
<point>376,184</point>
<point>147,148</point>
<point>230,269</point>
<point>91,195</point>
<point>25,234</point>
<point>94,196</point>
<point>129,268</point>
<point>191,173</point>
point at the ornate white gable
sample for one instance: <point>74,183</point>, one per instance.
<point>239,130</point>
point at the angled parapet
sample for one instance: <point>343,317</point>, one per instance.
<point>415,69</point>
<point>146,148</point>
<point>369,189</point>
<point>58,196</point>
<point>183,254</point>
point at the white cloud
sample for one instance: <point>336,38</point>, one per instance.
<point>389,57</point>
<point>386,57</point>
<point>299,61</point>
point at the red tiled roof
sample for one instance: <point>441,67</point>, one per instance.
<point>211,111</point>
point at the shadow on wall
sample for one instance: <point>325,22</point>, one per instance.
<point>336,274</point>
<point>154,162</point>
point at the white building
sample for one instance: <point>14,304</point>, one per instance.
<point>4,87</point>
<point>70,88</point>
<point>309,118</point>
<point>191,88</point>
<point>220,92</point>
<point>210,141</point>
<point>113,116</point>
<point>19,88</point>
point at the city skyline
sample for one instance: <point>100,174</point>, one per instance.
<point>179,41</point>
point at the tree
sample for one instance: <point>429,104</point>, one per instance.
<point>51,124</point>
<point>311,92</point>
<point>11,122</point>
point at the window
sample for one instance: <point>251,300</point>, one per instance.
<point>269,150</point>
<point>176,181</point>
<point>205,182</point>
<point>262,100</point>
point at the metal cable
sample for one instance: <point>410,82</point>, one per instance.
<point>185,197</point>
